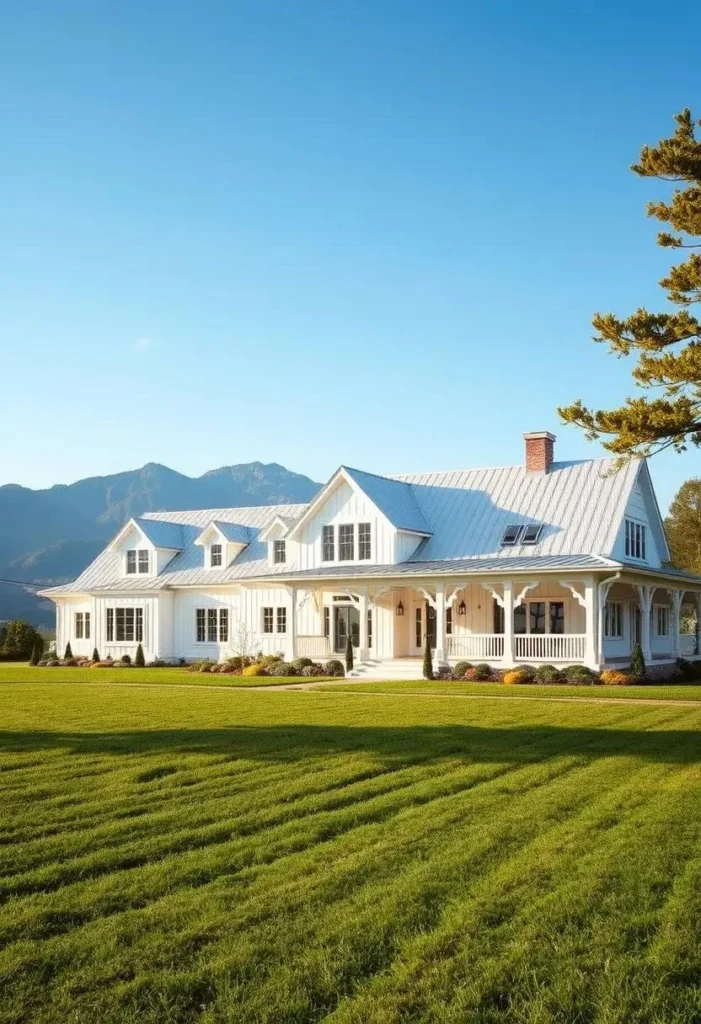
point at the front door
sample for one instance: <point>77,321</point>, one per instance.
<point>424,619</point>
<point>346,620</point>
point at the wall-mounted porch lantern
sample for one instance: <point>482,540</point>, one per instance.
<point>400,608</point>
<point>462,608</point>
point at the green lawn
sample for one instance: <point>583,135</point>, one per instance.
<point>678,691</point>
<point>18,672</point>
<point>171,855</point>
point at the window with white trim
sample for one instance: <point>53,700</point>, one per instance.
<point>125,625</point>
<point>275,620</point>
<point>540,618</point>
<point>346,542</point>
<point>79,625</point>
<point>327,621</point>
<point>369,621</point>
<point>662,619</point>
<point>131,562</point>
<point>138,560</point>
<point>635,539</point>
<point>449,621</point>
<point>613,620</point>
<point>212,625</point>
<point>364,541</point>
<point>279,552</point>
<point>216,555</point>
<point>328,544</point>
<point>143,561</point>
<point>282,620</point>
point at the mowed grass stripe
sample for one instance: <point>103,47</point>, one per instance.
<point>403,905</point>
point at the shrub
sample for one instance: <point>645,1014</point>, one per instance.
<point>313,670</point>
<point>349,654</point>
<point>483,673</point>
<point>470,675</point>
<point>158,663</point>
<point>687,670</point>
<point>206,666</point>
<point>68,653</point>
<point>256,669</point>
<point>54,663</point>
<point>139,659</point>
<point>95,655</point>
<point>301,663</point>
<point>69,663</point>
<point>637,663</point>
<point>547,675</point>
<point>577,675</point>
<point>613,677</point>
<point>428,658</point>
<point>266,660</point>
<point>444,672</point>
<point>334,668</point>
<point>104,664</point>
<point>284,668</point>
<point>516,677</point>
<point>460,669</point>
<point>237,663</point>
<point>125,659</point>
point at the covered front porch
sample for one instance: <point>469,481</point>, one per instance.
<point>503,622</point>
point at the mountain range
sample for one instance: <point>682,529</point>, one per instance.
<point>50,535</point>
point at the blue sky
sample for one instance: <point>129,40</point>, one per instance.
<point>315,233</point>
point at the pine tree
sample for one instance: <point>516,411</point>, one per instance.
<point>349,654</point>
<point>637,663</point>
<point>683,527</point>
<point>69,653</point>
<point>139,660</point>
<point>667,345</point>
<point>37,651</point>
<point>428,658</point>
<point>95,655</point>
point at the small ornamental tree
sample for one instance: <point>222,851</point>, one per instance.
<point>139,659</point>
<point>95,654</point>
<point>428,659</point>
<point>349,654</point>
<point>637,663</point>
<point>68,653</point>
<point>37,651</point>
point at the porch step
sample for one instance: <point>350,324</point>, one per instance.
<point>388,668</point>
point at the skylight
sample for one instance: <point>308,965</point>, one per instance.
<point>511,536</point>
<point>531,534</point>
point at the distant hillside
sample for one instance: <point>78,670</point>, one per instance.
<point>51,535</point>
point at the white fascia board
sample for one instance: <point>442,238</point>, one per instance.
<point>323,494</point>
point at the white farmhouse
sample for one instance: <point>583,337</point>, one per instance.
<point>548,562</point>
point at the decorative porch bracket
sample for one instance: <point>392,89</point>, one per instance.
<point>450,597</point>
<point>495,594</point>
<point>428,596</point>
<point>569,585</point>
<point>528,587</point>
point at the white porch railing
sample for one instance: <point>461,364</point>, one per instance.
<point>473,646</point>
<point>549,647</point>
<point>688,644</point>
<point>312,646</point>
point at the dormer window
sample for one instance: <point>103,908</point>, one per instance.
<point>279,552</point>
<point>137,561</point>
<point>215,555</point>
<point>531,534</point>
<point>511,536</point>
<point>635,540</point>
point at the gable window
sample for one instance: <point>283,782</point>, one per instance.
<point>329,547</point>
<point>613,620</point>
<point>635,539</point>
<point>212,625</point>
<point>531,533</point>
<point>125,625</point>
<point>662,619</point>
<point>131,562</point>
<point>143,561</point>
<point>511,536</point>
<point>364,542</point>
<point>346,542</point>
<point>215,555</point>
<point>279,556</point>
<point>138,559</point>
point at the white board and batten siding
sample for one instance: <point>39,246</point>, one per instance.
<point>638,511</point>
<point>346,505</point>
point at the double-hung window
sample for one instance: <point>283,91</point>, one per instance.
<point>215,555</point>
<point>137,561</point>
<point>449,621</point>
<point>131,563</point>
<point>327,621</point>
<point>143,561</point>
<point>635,539</point>
<point>279,552</point>
<point>268,620</point>
<point>79,625</point>
<point>328,544</point>
<point>212,625</point>
<point>275,620</point>
<point>125,625</point>
<point>662,619</point>
<point>613,620</point>
<point>282,620</point>
<point>346,542</point>
<point>364,542</point>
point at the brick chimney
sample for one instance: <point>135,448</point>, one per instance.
<point>540,449</point>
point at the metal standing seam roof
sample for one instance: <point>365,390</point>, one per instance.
<point>162,534</point>
<point>234,533</point>
<point>462,513</point>
<point>395,499</point>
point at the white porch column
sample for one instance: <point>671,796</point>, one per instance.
<point>363,650</point>
<point>292,644</point>
<point>440,625</point>
<point>508,606</point>
<point>676,598</point>
<point>645,594</point>
<point>592,655</point>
